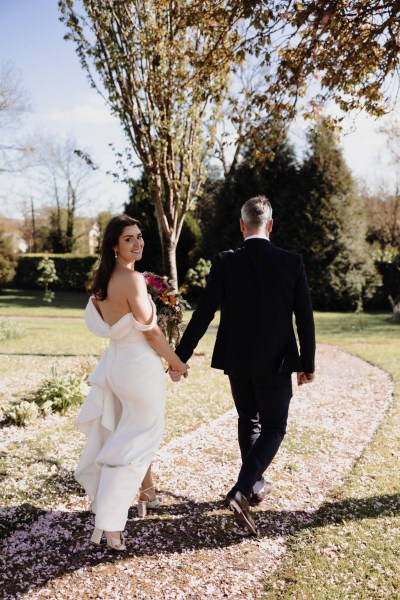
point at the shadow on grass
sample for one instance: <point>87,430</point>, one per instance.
<point>46,544</point>
<point>34,298</point>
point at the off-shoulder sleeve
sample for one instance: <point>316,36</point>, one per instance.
<point>141,326</point>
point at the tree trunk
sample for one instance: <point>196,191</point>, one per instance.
<point>71,205</point>
<point>168,235</point>
<point>33,227</point>
<point>170,258</point>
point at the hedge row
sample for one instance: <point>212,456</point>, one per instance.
<point>389,270</point>
<point>73,271</point>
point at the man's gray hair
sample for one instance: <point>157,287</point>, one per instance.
<point>256,212</point>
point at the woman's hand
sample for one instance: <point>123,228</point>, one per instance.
<point>178,371</point>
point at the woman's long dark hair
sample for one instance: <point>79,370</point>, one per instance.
<point>101,278</point>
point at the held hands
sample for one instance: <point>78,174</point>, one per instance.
<point>176,374</point>
<point>303,378</point>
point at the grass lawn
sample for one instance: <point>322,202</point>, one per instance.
<point>353,548</point>
<point>49,337</point>
<point>29,303</point>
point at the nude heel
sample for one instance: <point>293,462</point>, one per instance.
<point>144,505</point>
<point>142,508</point>
<point>115,543</point>
<point>96,536</point>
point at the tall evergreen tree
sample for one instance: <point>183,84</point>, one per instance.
<point>315,207</point>
<point>268,167</point>
<point>331,226</point>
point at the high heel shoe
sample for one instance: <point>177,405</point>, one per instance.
<point>112,542</point>
<point>144,505</point>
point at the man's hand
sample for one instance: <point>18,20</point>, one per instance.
<point>303,378</point>
<point>176,375</point>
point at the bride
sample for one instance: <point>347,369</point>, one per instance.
<point>123,415</point>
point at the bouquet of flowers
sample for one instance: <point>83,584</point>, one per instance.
<point>169,304</point>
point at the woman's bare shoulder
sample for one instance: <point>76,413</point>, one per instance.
<point>132,279</point>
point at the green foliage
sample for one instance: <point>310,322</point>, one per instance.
<point>73,271</point>
<point>269,168</point>
<point>189,244</point>
<point>206,213</point>
<point>47,275</point>
<point>196,278</point>
<point>49,296</point>
<point>331,228</point>
<point>58,393</point>
<point>7,260</point>
<point>316,213</point>
<point>219,219</point>
<point>10,330</point>
<point>21,414</point>
<point>57,241</point>
<point>387,262</point>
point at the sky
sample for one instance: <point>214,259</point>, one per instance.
<point>62,103</point>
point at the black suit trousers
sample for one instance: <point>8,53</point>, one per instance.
<point>262,404</point>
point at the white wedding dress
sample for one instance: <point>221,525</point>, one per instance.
<point>122,417</point>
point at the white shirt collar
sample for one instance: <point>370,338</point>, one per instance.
<point>258,237</point>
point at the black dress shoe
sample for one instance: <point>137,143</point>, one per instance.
<point>256,499</point>
<point>240,507</point>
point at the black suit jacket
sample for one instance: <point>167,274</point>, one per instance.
<point>258,288</point>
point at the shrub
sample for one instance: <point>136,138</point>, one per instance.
<point>387,262</point>
<point>58,393</point>
<point>22,414</point>
<point>73,271</point>
<point>7,260</point>
<point>189,244</point>
<point>196,277</point>
<point>47,275</point>
<point>10,330</point>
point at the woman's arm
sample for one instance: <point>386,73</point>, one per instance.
<point>157,341</point>
<point>142,311</point>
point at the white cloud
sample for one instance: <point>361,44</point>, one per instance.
<point>91,111</point>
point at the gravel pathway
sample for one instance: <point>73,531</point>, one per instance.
<point>191,548</point>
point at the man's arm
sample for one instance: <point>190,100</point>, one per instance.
<point>209,301</point>
<point>304,322</point>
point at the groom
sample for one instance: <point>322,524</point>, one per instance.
<point>258,288</point>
